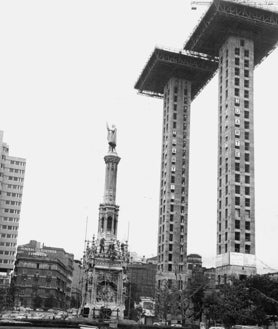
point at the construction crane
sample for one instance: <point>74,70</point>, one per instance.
<point>260,4</point>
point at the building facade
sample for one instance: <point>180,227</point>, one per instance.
<point>12,171</point>
<point>77,284</point>
<point>236,188</point>
<point>240,36</point>
<point>43,276</point>
<point>176,77</point>
<point>141,279</point>
<point>173,207</point>
<point>194,261</point>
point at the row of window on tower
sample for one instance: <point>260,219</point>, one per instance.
<point>171,229</point>
<point>238,224</point>
<point>177,188</point>
<point>10,202</point>
<point>236,118</point>
<point>12,162</point>
<point>170,267</point>
<point>14,178</point>
<point>237,248</point>
<point>11,211</point>
<point>8,227</point>
<point>236,236</point>
<point>17,171</point>
<point>7,253</point>
<point>6,261</point>
<point>9,219</point>
<point>238,51</point>
<point>241,70</point>
<point>13,186</point>
<point>7,244</point>
<point>17,163</point>
<point>8,236</point>
<point>12,194</point>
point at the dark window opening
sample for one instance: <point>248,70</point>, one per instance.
<point>247,202</point>
<point>247,249</point>
<point>109,223</point>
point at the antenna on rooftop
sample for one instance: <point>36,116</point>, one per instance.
<point>127,232</point>
<point>85,239</point>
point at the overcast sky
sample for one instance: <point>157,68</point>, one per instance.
<point>68,67</point>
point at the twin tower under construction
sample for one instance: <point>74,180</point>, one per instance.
<point>233,38</point>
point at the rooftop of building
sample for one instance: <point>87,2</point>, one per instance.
<point>35,245</point>
<point>194,256</point>
<point>142,266</point>
<point>166,64</point>
<point>227,18</point>
<point>37,249</point>
<point>152,260</point>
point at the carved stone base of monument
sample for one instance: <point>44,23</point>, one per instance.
<point>105,292</point>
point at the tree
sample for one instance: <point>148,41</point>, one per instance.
<point>186,303</point>
<point>166,301</point>
<point>212,302</point>
<point>11,293</point>
<point>7,296</point>
<point>3,297</point>
<point>264,293</point>
<point>131,300</point>
<point>251,301</point>
<point>196,293</point>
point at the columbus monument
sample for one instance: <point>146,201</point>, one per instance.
<point>105,258</point>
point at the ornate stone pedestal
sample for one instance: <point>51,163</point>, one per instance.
<point>105,277</point>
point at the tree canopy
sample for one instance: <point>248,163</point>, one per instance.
<point>253,301</point>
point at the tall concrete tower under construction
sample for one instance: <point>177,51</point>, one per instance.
<point>177,77</point>
<point>240,37</point>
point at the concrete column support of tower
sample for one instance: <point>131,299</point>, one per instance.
<point>236,188</point>
<point>173,208</point>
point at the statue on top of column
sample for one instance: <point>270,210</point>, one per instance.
<point>111,137</point>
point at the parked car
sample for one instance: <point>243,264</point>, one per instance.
<point>176,325</point>
<point>159,324</point>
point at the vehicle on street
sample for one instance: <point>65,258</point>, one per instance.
<point>238,326</point>
<point>159,324</point>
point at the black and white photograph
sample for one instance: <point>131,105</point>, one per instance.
<point>139,164</point>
